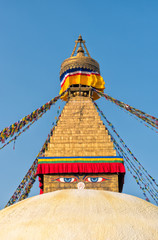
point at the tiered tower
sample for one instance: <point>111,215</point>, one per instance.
<point>80,153</point>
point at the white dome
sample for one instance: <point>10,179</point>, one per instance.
<point>80,214</point>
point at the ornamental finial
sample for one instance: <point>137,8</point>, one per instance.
<point>80,51</point>
<point>80,58</point>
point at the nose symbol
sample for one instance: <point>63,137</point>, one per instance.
<point>80,185</point>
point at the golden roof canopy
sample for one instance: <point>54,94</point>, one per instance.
<point>80,60</point>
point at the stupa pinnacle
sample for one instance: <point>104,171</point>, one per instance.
<point>79,59</point>
<point>80,73</point>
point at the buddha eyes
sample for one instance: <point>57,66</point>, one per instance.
<point>87,179</point>
<point>66,180</point>
<point>95,179</point>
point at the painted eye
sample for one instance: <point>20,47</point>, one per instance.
<point>95,179</point>
<point>66,180</point>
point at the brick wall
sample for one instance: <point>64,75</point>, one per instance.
<point>55,182</point>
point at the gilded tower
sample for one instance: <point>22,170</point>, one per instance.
<point>80,153</point>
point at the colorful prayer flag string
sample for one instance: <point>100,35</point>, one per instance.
<point>17,126</point>
<point>136,173</point>
<point>125,146</point>
<point>26,184</point>
<point>140,174</point>
<point>138,119</point>
<point>28,126</point>
<point>149,119</point>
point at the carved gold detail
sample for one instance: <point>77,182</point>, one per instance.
<point>80,60</point>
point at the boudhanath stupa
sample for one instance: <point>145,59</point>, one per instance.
<point>80,175</point>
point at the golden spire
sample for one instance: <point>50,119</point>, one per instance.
<point>80,49</point>
<point>80,60</point>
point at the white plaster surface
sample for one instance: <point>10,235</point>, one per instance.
<point>80,214</point>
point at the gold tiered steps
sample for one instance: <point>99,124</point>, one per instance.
<point>80,131</point>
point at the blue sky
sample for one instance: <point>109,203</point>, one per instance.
<point>36,36</point>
